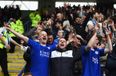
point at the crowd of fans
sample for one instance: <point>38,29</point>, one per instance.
<point>69,35</point>
<point>8,12</point>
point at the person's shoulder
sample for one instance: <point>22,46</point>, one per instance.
<point>99,49</point>
<point>85,50</point>
<point>33,41</point>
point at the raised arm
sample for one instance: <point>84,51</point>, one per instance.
<point>18,35</point>
<point>91,42</point>
<point>109,48</point>
<point>112,25</point>
<point>15,43</point>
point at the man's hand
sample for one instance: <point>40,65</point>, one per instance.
<point>7,27</point>
<point>7,46</point>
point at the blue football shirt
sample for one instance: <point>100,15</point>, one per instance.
<point>39,59</point>
<point>91,61</point>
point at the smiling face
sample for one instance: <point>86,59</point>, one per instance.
<point>43,37</point>
<point>62,43</point>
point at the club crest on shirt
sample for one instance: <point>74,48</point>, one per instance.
<point>96,52</point>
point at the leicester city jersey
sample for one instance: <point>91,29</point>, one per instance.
<point>91,61</point>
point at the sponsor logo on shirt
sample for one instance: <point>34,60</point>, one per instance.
<point>95,60</point>
<point>44,53</point>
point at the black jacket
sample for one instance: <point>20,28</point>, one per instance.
<point>62,63</point>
